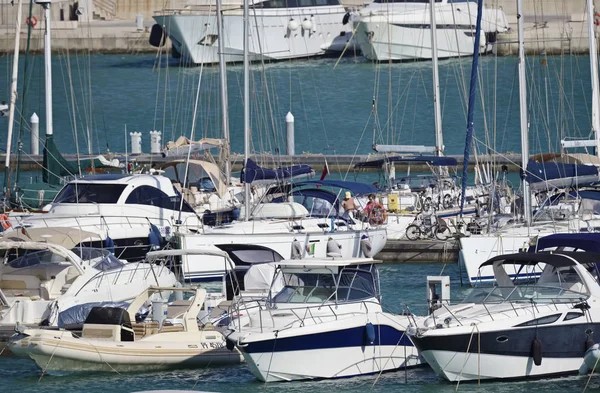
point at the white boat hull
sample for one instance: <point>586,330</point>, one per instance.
<point>458,366</point>
<point>312,244</point>
<point>194,34</point>
<point>329,363</point>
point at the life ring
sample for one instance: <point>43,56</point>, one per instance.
<point>31,21</point>
<point>377,215</point>
<point>5,221</point>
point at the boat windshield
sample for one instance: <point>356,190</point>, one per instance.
<point>90,193</point>
<point>100,259</point>
<point>32,258</point>
<point>351,284</point>
<point>554,285</point>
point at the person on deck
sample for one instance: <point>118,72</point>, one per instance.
<point>349,205</point>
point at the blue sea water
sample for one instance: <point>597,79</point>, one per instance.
<point>401,284</point>
<point>100,95</point>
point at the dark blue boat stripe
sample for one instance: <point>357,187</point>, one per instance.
<point>558,340</point>
<point>353,337</point>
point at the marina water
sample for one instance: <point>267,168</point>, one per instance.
<point>333,106</point>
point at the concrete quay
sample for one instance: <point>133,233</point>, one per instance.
<point>109,26</point>
<point>336,163</point>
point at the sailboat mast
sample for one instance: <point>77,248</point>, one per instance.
<point>224,101</point>
<point>13,95</point>
<point>523,115</point>
<point>594,75</point>
<point>47,64</point>
<point>246,110</point>
<point>439,139</point>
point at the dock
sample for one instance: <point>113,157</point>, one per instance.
<point>420,251</point>
<point>335,163</point>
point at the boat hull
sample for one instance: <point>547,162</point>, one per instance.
<point>312,245</point>
<point>194,35</point>
<point>329,350</point>
<point>59,351</point>
<point>505,354</point>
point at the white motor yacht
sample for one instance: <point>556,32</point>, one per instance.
<point>400,29</point>
<point>278,29</point>
<point>113,340</point>
<point>326,322</point>
<point>532,326</point>
<point>38,280</point>
<point>130,213</point>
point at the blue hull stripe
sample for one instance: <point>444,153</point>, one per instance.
<point>353,337</point>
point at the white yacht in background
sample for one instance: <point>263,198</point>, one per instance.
<point>400,29</point>
<point>278,29</point>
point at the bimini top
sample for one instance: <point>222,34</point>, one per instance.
<point>562,259</point>
<point>314,263</point>
<point>589,242</point>
<point>431,160</point>
<point>356,188</point>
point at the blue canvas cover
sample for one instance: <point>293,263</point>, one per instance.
<point>553,174</point>
<point>252,172</point>
<point>589,242</point>
<point>355,187</point>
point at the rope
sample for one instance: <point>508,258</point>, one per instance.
<point>388,359</point>
<point>272,352</point>
<point>51,356</point>
<point>466,355</point>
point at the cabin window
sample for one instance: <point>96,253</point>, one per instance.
<point>355,284</point>
<point>31,258</point>
<point>306,288</point>
<point>572,315</point>
<point>147,195</point>
<point>541,321</point>
<point>90,193</point>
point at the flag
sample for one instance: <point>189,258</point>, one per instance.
<point>325,171</point>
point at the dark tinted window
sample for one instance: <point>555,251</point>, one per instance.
<point>146,195</point>
<point>572,315</point>
<point>541,321</point>
<point>90,193</point>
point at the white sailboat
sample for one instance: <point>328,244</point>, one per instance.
<point>574,211</point>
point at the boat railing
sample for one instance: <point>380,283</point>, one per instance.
<point>301,313</point>
<point>211,9</point>
<point>519,298</point>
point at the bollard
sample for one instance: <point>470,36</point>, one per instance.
<point>139,22</point>
<point>136,142</point>
<point>35,134</point>
<point>289,121</point>
<point>155,147</point>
